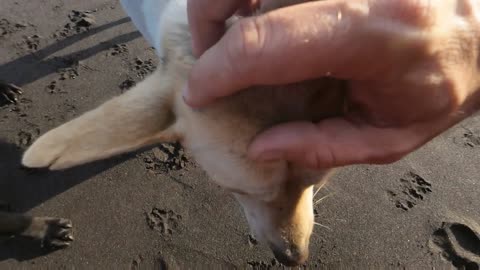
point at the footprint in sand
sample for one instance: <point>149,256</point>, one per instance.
<point>252,241</point>
<point>136,262</point>
<point>127,84</point>
<point>165,158</point>
<point>143,67</point>
<point>30,43</point>
<point>79,21</point>
<point>459,244</point>
<point>25,138</point>
<point>263,265</point>
<point>469,139</point>
<point>414,189</point>
<point>119,49</point>
<point>139,262</point>
<point>7,27</point>
<point>166,222</point>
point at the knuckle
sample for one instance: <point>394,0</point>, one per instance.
<point>449,94</point>
<point>247,43</point>
<point>416,12</point>
<point>445,90</point>
<point>321,157</point>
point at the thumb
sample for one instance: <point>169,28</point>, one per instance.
<point>335,142</point>
<point>342,39</point>
<point>256,50</point>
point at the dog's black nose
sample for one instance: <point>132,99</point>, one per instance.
<point>290,256</point>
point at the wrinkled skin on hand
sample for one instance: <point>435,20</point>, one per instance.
<point>411,68</point>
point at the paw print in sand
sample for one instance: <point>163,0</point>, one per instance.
<point>414,189</point>
<point>167,222</point>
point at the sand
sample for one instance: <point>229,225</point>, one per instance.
<point>156,208</point>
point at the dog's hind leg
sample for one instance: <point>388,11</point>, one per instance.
<point>137,118</point>
<point>50,232</point>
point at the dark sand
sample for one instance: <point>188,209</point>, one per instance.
<point>137,212</point>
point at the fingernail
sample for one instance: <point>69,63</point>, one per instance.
<point>185,94</point>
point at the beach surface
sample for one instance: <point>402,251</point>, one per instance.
<point>156,209</point>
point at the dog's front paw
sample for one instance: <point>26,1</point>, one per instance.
<point>45,151</point>
<point>57,149</point>
<point>9,92</point>
<point>51,232</point>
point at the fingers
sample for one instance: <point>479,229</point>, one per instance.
<point>207,20</point>
<point>337,142</point>
<point>287,45</point>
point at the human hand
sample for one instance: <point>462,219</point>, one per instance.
<point>411,67</point>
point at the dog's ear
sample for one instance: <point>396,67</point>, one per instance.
<point>140,117</point>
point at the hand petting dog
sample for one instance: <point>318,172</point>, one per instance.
<point>411,68</point>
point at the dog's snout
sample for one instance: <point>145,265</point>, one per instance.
<point>290,256</point>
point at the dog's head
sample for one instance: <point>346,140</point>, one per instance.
<point>284,218</point>
<point>276,196</point>
<point>277,199</point>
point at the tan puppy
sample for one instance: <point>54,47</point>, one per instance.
<point>276,197</point>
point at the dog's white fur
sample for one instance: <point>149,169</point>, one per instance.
<point>276,196</point>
